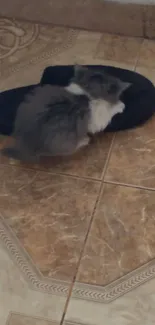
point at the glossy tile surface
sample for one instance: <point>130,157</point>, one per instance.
<point>72,245</point>
<point>134,308</point>
<point>118,48</point>
<point>122,235</point>
<point>17,319</point>
<point>147,53</point>
<point>50,216</point>
<point>132,158</point>
<point>89,162</point>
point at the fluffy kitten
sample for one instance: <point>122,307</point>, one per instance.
<point>103,92</point>
<point>51,121</point>
<point>55,120</point>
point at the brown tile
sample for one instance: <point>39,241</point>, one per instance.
<point>149,27</point>
<point>84,47</point>
<point>122,235</point>
<point>84,52</point>
<point>117,18</point>
<point>50,215</point>
<point>89,162</point>
<point>132,158</point>
<point>97,15</point>
<point>119,48</point>
<point>147,54</point>
<point>17,319</point>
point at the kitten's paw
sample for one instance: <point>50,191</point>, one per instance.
<point>84,142</point>
<point>121,108</point>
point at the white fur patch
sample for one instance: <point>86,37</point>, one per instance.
<point>102,113</point>
<point>75,89</point>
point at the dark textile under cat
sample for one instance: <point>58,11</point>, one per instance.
<point>139,99</point>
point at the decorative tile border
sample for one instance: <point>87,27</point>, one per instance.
<point>26,35</point>
<point>31,274</point>
<point>117,288</point>
<point>88,292</point>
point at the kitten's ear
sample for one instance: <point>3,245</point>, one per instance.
<point>79,71</point>
<point>125,85</point>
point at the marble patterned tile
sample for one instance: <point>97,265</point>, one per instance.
<point>149,21</point>
<point>82,51</point>
<point>119,48</point>
<point>147,53</point>
<point>134,308</point>
<point>50,215</point>
<point>91,59</point>
<point>88,162</point>
<point>18,299</point>
<point>44,217</point>
<point>86,50</point>
<point>132,158</point>
<point>18,319</point>
<point>121,238</point>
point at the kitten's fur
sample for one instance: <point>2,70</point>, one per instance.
<point>103,91</point>
<point>55,121</point>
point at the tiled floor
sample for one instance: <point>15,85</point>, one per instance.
<point>77,242</point>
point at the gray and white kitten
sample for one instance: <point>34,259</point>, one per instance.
<point>56,121</point>
<point>103,91</point>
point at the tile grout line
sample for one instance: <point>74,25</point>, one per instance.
<point>129,185</point>
<point>88,231</point>
<point>138,55</point>
<point>80,257</point>
<point>67,302</point>
<point>108,157</point>
<point>91,179</point>
<point>98,45</point>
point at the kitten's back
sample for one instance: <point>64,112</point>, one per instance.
<point>50,118</point>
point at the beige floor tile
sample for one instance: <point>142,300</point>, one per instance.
<point>17,319</point>
<point>135,308</point>
<point>147,72</point>
<point>85,44</point>
<point>119,48</point>
<point>121,237</point>
<point>23,77</point>
<point>18,293</point>
<point>147,54</point>
<point>89,59</point>
<point>24,44</point>
<point>132,158</point>
<point>89,162</point>
<point>83,49</point>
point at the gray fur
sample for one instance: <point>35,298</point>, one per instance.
<point>50,121</point>
<point>53,121</point>
<point>99,84</point>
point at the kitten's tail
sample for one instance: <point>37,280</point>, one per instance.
<point>17,154</point>
<point>11,152</point>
